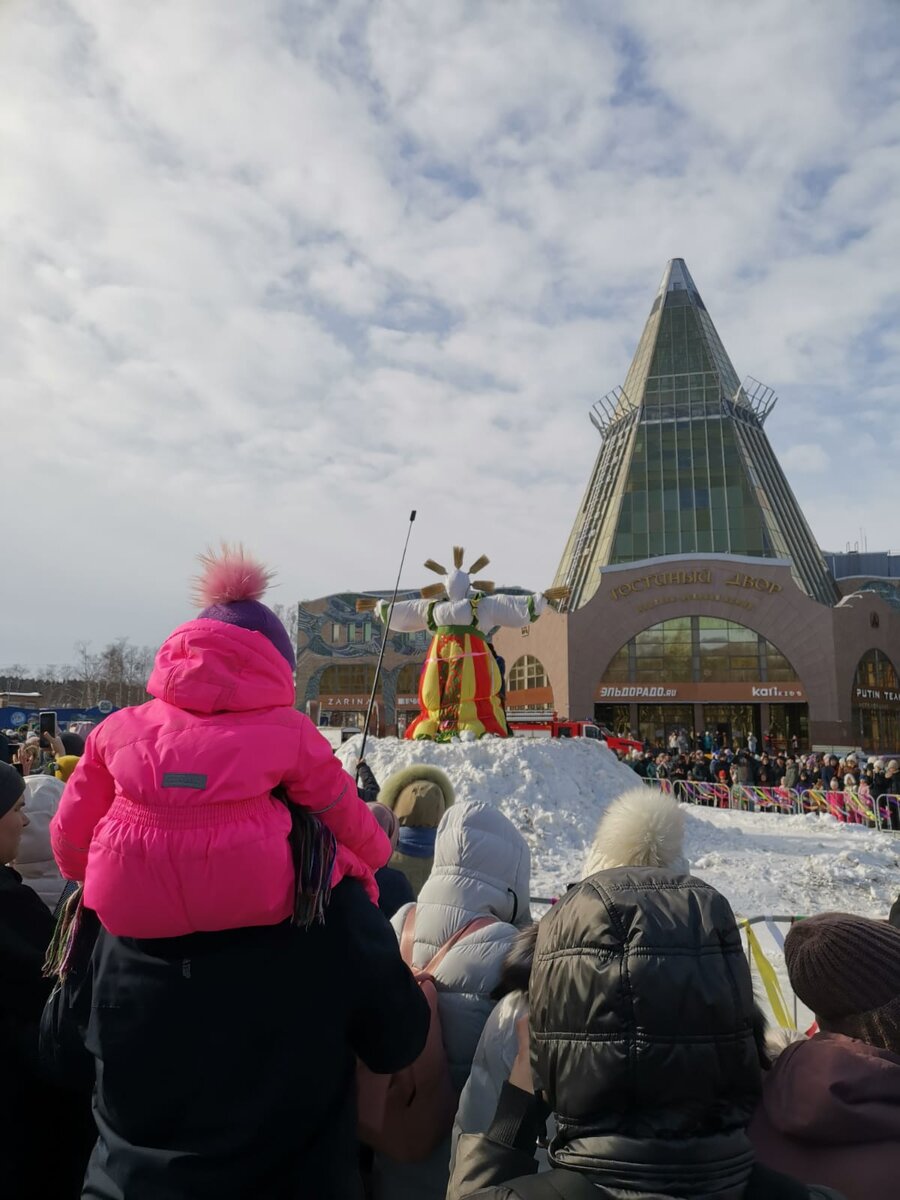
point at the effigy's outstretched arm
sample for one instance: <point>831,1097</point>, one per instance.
<point>408,616</point>
<point>512,612</point>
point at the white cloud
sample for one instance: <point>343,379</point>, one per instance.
<point>282,272</point>
<point>806,458</point>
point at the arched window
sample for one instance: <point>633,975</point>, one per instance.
<point>876,670</point>
<point>408,679</point>
<point>699,650</point>
<point>875,707</point>
<point>346,679</point>
<point>527,672</point>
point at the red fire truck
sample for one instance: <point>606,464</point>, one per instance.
<point>538,724</point>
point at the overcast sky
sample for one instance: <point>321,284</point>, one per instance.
<point>280,272</point>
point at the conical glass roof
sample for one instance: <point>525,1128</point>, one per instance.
<point>685,466</point>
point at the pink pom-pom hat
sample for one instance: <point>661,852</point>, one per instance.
<point>229,589</point>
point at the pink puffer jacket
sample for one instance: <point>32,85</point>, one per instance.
<point>169,818</point>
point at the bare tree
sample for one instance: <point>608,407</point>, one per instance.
<point>287,615</point>
<point>87,672</point>
<point>118,673</point>
<point>13,677</point>
<point>123,670</point>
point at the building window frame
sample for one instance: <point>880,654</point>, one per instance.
<point>527,672</point>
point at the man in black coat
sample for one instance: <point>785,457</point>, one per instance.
<point>45,1132</point>
<point>226,1061</point>
<point>642,1034</point>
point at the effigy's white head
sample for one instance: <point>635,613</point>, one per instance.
<point>457,583</point>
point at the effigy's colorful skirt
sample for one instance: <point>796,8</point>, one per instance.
<point>459,688</point>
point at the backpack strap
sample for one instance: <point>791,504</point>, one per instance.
<point>408,936</point>
<point>472,927</point>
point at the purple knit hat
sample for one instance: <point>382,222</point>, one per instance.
<point>230,588</point>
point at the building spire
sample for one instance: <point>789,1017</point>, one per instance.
<point>685,466</point>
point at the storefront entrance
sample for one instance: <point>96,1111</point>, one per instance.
<point>732,724</point>
<point>788,728</point>
<point>774,727</point>
<point>615,717</point>
<point>657,722</point>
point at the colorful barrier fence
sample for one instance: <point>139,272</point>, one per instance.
<point>847,804</point>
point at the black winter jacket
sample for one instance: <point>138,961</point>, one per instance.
<point>35,1115</point>
<point>394,890</point>
<point>226,1061</point>
<point>642,1015</point>
<point>501,1166</point>
<point>367,785</point>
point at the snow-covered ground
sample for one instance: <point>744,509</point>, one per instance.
<point>555,792</point>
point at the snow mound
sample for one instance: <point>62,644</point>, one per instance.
<point>555,791</point>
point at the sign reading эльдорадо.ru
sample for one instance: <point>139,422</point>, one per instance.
<point>705,693</point>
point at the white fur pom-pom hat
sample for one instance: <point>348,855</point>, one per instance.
<point>640,828</point>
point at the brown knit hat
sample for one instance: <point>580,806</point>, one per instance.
<point>847,970</point>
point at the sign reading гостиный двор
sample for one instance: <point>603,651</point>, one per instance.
<point>660,579</point>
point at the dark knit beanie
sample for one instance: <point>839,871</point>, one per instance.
<point>12,785</point>
<point>250,614</point>
<point>73,743</point>
<point>847,970</point>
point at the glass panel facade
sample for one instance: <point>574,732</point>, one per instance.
<point>685,466</point>
<point>699,650</point>
<point>527,672</point>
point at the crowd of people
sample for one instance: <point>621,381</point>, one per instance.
<point>855,788</point>
<point>242,972</point>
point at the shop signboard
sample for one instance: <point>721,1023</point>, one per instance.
<point>703,693</point>
<point>874,697</point>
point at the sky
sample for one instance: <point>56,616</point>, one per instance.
<point>280,272</point>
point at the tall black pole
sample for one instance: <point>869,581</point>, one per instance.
<point>384,638</point>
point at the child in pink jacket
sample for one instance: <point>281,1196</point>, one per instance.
<point>169,817</point>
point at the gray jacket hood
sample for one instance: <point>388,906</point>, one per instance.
<point>481,864</point>
<point>481,869</point>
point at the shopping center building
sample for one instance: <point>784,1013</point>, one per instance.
<point>699,597</point>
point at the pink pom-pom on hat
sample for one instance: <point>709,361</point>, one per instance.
<point>229,589</point>
<point>230,575</point>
